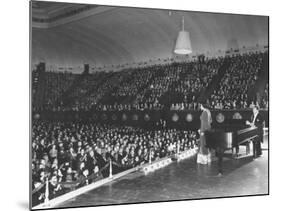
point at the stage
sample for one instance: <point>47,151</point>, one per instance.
<point>183,180</point>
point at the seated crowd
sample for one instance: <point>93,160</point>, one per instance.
<point>184,92</point>
<point>73,154</point>
<point>239,78</point>
<point>265,98</point>
<point>68,155</point>
<point>55,84</point>
<point>174,86</point>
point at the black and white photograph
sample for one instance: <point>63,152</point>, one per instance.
<point>134,105</point>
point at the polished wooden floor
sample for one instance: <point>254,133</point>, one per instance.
<point>183,180</point>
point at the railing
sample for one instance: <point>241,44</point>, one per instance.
<point>146,168</point>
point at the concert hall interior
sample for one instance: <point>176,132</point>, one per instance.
<point>135,105</point>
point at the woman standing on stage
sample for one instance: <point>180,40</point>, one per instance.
<point>204,155</point>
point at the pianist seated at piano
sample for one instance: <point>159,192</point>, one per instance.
<point>223,139</point>
<point>256,121</point>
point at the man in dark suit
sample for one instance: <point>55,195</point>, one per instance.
<point>257,120</point>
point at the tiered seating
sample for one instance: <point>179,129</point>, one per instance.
<point>265,97</point>
<point>149,97</point>
<point>193,79</point>
<point>240,77</point>
<point>77,153</point>
<point>111,83</point>
<point>56,84</point>
<point>90,82</point>
<point>139,78</point>
<point>174,86</point>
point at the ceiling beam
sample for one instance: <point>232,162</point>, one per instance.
<point>72,18</point>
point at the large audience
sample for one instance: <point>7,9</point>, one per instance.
<point>55,84</point>
<point>184,92</point>
<point>265,97</point>
<point>72,154</point>
<point>239,78</point>
<point>68,155</point>
<point>174,86</point>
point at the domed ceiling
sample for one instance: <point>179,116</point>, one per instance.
<point>73,34</point>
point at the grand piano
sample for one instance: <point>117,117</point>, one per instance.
<point>222,139</point>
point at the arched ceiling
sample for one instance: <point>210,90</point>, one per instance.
<point>126,35</point>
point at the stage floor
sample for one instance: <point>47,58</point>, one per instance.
<point>182,180</point>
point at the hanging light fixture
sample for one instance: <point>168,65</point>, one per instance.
<point>183,45</point>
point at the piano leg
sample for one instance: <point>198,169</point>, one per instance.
<point>247,148</point>
<point>254,149</point>
<point>237,151</point>
<point>220,153</point>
